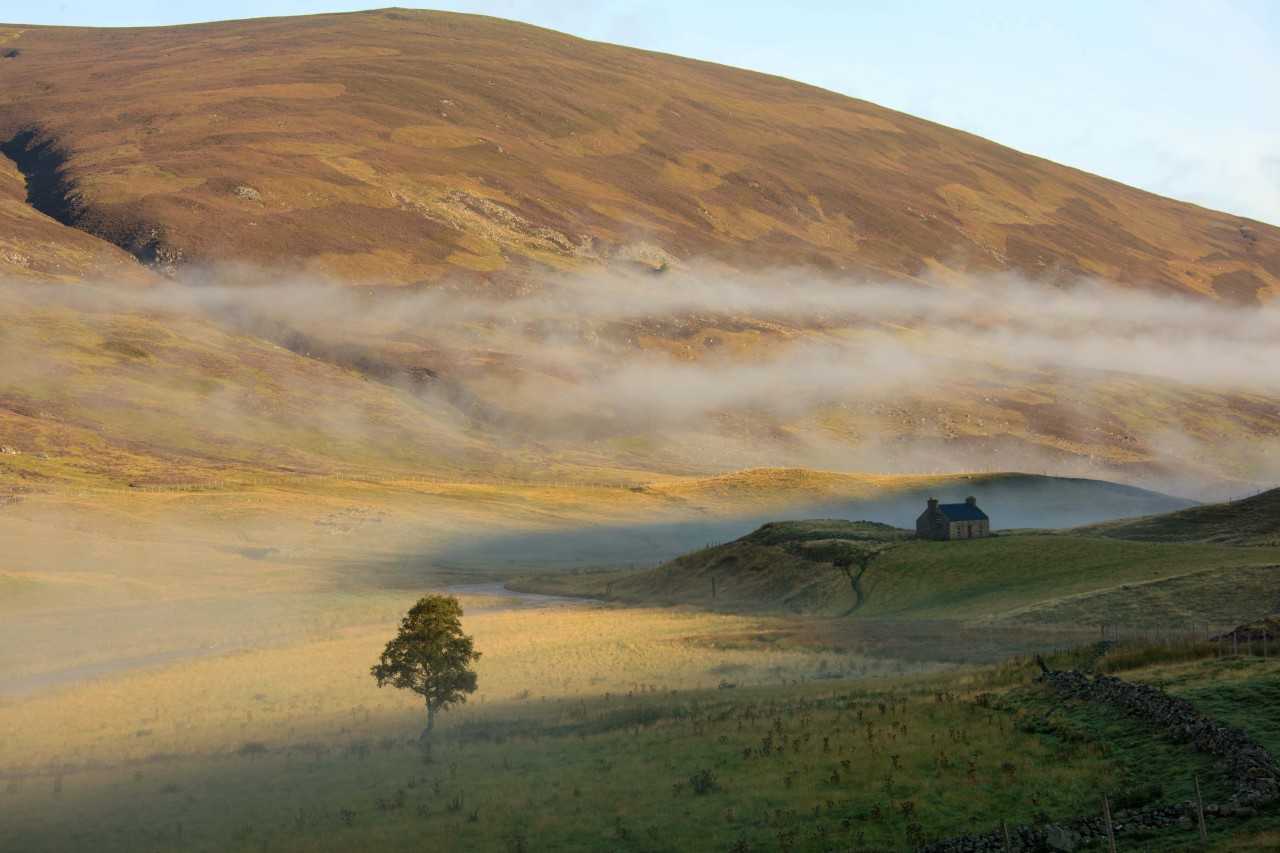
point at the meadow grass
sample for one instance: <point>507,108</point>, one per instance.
<point>595,728</point>
<point>795,767</point>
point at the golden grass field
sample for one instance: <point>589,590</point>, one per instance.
<point>588,727</point>
<point>314,689</point>
<point>186,667</point>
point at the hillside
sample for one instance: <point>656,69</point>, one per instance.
<point>405,146</point>
<point>517,187</point>
<point>33,246</point>
<point>1252,521</point>
<point>1065,579</point>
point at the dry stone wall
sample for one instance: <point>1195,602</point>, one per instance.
<point>1251,768</point>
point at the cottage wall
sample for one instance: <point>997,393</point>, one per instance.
<point>968,529</point>
<point>932,524</point>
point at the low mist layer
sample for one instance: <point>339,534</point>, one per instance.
<point>697,371</point>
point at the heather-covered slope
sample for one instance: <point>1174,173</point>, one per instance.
<point>477,160</point>
<point>406,146</point>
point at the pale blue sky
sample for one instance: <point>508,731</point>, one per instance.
<point>1178,97</point>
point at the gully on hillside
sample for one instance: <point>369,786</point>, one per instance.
<point>42,160</point>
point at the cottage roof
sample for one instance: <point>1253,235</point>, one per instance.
<point>963,512</point>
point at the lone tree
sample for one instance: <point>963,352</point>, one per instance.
<point>853,562</point>
<point>431,656</point>
<point>851,557</point>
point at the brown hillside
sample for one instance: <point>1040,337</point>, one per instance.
<point>405,146</point>
<point>410,146</point>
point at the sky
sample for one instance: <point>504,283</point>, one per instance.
<point>1178,97</point>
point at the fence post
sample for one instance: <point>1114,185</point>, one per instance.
<point>1106,819</point>
<point>1004,828</point>
<point>1204,833</point>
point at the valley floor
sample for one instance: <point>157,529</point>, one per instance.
<point>189,672</point>
<point>597,726</point>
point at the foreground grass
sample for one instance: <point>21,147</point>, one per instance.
<point>596,729</point>
<point>794,768</point>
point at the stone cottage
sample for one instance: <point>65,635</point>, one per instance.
<point>953,521</point>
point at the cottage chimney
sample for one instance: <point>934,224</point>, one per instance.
<point>933,503</point>
<point>971,501</point>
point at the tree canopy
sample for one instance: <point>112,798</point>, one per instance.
<point>431,656</point>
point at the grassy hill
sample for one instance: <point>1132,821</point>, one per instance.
<point>701,510</point>
<point>1070,578</point>
<point>399,145</point>
<point>1252,521</point>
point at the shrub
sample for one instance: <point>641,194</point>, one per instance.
<point>704,782</point>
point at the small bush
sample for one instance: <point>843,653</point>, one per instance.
<point>704,782</point>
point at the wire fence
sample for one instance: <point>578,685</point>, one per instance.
<point>292,480</point>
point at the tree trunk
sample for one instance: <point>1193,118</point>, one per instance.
<point>431,722</point>
<point>855,581</point>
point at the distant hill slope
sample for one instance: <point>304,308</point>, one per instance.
<point>404,146</point>
<point>1252,521</point>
